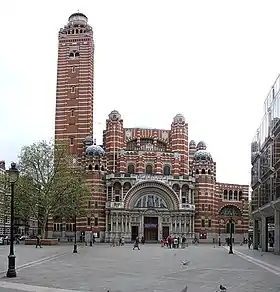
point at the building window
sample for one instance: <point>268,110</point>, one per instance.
<point>131,168</point>
<point>203,171</point>
<point>96,221</point>
<point>225,195</point>
<point>149,169</point>
<point>72,89</point>
<point>96,205</point>
<point>71,141</point>
<point>209,207</point>
<point>89,203</point>
<point>72,112</point>
<point>117,198</point>
<point>235,195</point>
<point>90,167</point>
<point>209,223</point>
<point>69,227</point>
<point>57,227</point>
<point>183,200</point>
<point>240,196</point>
<point>73,69</point>
<point>166,170</point>
<point>230,195</point>
<point>209,171</point>
<point>228,227</point>
<point>196,171</point>
<point>202,207</point>
<point>202,223</point>
<point>88,221</point>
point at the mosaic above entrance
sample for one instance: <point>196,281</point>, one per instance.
<point>150,201</point>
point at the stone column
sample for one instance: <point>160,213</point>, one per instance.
<point>111,231</point>
<point>122,229</point>
<point>277,232</point>
<point>122,194</point>
<point>159,228</point>
<point>190,196</point>
<point>107,193</point>
<point>112,195</point>
<point>180,195</point>
<point>264,234</point>
<point>255,234</point>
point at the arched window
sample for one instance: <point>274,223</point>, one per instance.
<point>230,195</point>
<point>225,195</point>
<point>203,171</point>
<point>71,55</point>
<point>90,167</point>
<point>209,171</point>
<point>196,171</point>
<point>102,168</point>
<point>166,170</point>
<point>149,169</point>
<point>96,167</point>
<point>72,112</point>
<point>235,195</point>
<point>131,168</point>
<point>77,54</point>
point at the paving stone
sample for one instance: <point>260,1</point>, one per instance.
<point>102,268</point>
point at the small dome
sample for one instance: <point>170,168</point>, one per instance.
<point>114,115</point>
<point>76,15</point>
<point>203,155</point>
<point>88,141</point>
<point>192,144</point>
<point>179,119</point>
<point>201,145</point>
<point>95,150</point>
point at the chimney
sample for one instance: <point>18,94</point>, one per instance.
<point>2,164</point>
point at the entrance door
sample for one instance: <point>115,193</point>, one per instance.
<point>151,228</point>
<point>165,231</point>
<point>134,232</point>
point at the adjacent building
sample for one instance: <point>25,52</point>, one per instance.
<point>144,182</point>
<point>265,174</point>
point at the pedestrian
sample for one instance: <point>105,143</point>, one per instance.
<point>38,241</point>
<point>136,243</point>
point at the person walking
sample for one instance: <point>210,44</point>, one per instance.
<point>38,241</point>
<point>136,243</point>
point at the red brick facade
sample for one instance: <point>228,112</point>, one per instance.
<point>145,174</point>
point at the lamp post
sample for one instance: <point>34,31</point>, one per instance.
<point>219,231</point>
<point>75,236</point>
<point>230,235</point>
<point>13,177</point>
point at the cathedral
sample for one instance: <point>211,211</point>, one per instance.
<point>143,182</point>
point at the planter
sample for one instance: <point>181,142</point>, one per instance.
<point>47,241</point>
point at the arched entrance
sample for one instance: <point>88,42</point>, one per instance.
<point>152,202</point>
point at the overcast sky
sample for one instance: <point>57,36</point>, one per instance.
<point>212,61</point>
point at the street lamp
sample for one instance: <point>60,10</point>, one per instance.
<point>13,174</point>
<point>75,237</point>
<point>230,235</point>
<point>219,231</point>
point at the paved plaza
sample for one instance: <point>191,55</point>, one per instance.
<point>102,268</point>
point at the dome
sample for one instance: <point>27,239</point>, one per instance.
<point>192,144</point>
<point>88,141</point>
<point>178,119</point>
<point>114,115</point>
<point>76,15</point>
<point>95,150</point>
<point>202,155</point>
<point>201,145</point>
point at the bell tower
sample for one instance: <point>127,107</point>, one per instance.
<point>74,89</point>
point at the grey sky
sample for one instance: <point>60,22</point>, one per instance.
<point>213,61</point>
